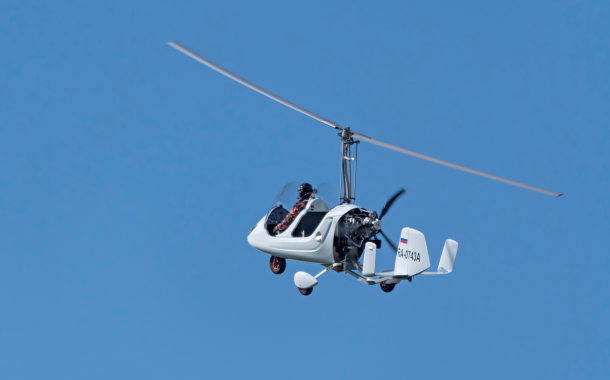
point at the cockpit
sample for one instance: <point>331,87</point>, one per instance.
<point>307,221</point>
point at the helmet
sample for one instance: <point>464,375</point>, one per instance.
<point>304,189</point>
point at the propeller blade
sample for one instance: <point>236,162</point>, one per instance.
<point>387,239</point>
<point>254,87</point>
<point>454,166</point>
<point>391,200</point>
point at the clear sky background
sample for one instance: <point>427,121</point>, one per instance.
<point>130,176</point>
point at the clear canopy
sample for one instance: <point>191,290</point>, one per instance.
<point>289,195</point>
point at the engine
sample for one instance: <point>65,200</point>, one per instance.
<point>355,227</point>
<point>359,225</point>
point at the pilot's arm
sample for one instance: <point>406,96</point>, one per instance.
<point>292,215</point>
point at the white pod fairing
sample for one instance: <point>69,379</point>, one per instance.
<point>304,280</point>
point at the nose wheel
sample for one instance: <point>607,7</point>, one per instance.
<point>277,265</point>
<point>387,287</point>
<point>305,292</point>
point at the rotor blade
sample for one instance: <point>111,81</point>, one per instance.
<point>454,166</point>
<point>388,240</point>
<point>391,200</point>
<point>285,102</point>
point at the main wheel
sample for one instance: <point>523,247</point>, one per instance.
<point>306,292</point>
<point>277,265</point>
<point>387,287</point>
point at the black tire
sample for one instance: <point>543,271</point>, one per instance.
<point>277,265</point>
<point>305,292</point>
<point>387,287</point>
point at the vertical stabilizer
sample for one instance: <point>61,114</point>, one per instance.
<point>448,256</point>
<point>370,251</point>
<point>412,255</point>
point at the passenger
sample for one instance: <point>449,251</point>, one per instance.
<point>305,191</point>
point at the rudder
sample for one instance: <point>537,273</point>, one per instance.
<point>412,255</point>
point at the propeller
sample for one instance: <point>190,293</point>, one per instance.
<point>362,137</point>
<point>388,204</point>
<point>386,207</point>
<point>387,239</point>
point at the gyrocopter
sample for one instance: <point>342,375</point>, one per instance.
<point>340,237</point>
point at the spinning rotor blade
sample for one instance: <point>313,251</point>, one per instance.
<point>362,137</point>
<point>391,200</point>
<point>387,239</point>
<point>454,166</point>
<point>224,72</point>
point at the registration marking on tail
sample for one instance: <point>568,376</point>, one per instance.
<point>403,240</point>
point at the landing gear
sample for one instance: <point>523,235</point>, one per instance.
<point>387,287</point>
<point>305,292</point>
<point>277,265</point>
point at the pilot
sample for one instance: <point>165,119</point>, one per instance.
<point>305,191</point>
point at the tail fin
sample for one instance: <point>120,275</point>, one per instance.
<point>448,256</point>
<point>412,256</point>
<point>370,251</point>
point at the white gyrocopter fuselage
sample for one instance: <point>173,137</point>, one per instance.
<point>302,240</point>
<point>339,238</point>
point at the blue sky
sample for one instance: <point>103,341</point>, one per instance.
<point>131,175</point>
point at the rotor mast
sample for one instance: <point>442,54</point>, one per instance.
<point>347,188</point>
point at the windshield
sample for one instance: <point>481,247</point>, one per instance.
<point>326,192</point>
<point>289,195</point>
